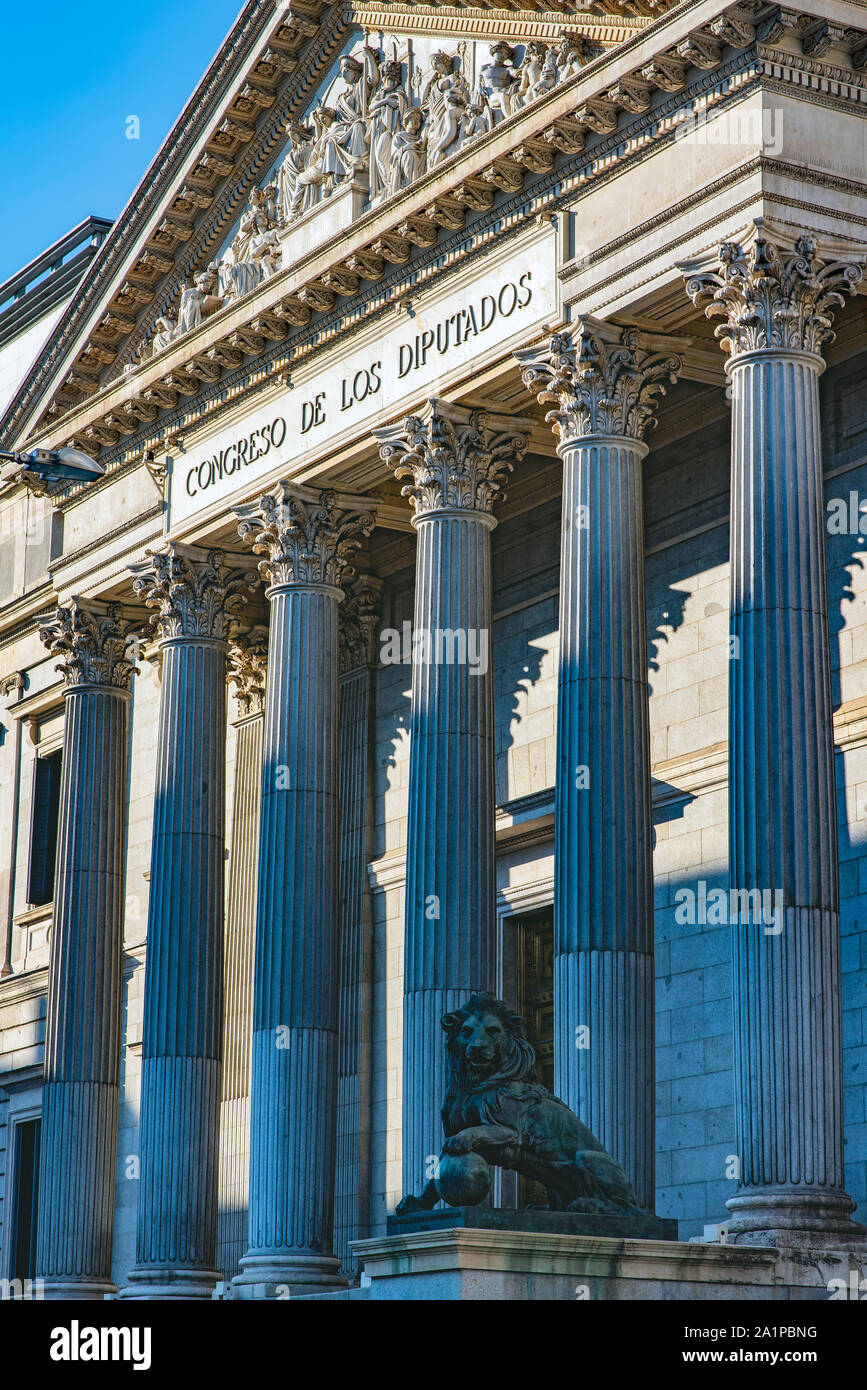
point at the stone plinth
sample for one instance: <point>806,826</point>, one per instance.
<point>527,1266</point>
<point>322,222</point>
<point>636,1226</point>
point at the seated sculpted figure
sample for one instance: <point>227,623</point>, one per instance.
<point>407,157</point>
<point>496,1112</point>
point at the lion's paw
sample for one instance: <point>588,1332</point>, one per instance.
<point>408,1206</point>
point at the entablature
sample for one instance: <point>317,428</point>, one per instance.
<point>521,168</point>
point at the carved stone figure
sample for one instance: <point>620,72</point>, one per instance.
<point>446,97</point>
<point>312,182</point>
<point>345,151</point>
<point>496,1112</point>
<point>388,106</point>
<point>531,70</point>
<point>570,56</point>
<point>500,81</point>
<point>476,121</point>
<point>254,253</point>
<point>407,160</point>
<point>190,310</point>
<point>166,331</point>
<point>294,163</point>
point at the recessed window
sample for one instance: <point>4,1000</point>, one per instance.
<point>25,1169</point>
<point>43,829</point>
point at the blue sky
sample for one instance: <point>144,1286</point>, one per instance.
<point>72,75</point>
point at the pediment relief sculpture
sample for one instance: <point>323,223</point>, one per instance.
<point>388,115</point>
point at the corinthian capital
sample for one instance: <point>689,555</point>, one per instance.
<point>456,458</point>
<point>194,591</point>
<point>359,622</point>
<point>93,642</point>
<point>768,297</point>
<point>601,379</point>
<point>304,536</point>
<point>248,665</point>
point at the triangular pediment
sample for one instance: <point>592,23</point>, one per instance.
<point>303,107</point>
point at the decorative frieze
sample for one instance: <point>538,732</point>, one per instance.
<point>305,538</point>
<point>456,458</point>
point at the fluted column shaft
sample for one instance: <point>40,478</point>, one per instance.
<point>450,923</point>
<point>183,981</point>
<point>294,1065</point>
<point>456,460</point>
<point>295,1011</point>
<point>782,795</point>
<point>782,826</point>
<point>602,381</point>
<point>182,1028</point>
<point>82,1047</point>
<point>603,887</point>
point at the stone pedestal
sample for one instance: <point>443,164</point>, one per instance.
<point>306,541</point>
<point>337,213</point>
<point>456,461</point>
<point>82,1046</point>
<point>527,1266</point>
<point>778,308</point>
<point>182,1033</point>
<point>603,382</point>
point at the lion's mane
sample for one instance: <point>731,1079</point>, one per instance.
<point>517,1062</point>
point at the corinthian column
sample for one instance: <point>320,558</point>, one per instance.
<point>247,665</point>
<point>602,383</point>
<point>456,461</point>
<point>777,305</point>
<point>82,1045</point>
<point>306,542</point>
<point>195,596</point>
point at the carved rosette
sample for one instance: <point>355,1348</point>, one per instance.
<point>93,641</point>
<point>457,459</point>
<point>359,623</point>
<point>771,299</point>
<point>248,665</point>
<point>305,539</point>
<point>194,592</point>
<point>602,380</point>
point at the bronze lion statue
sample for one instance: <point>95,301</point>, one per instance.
<point>496,1112</point>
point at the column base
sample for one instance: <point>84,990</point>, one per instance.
<point>164,1282</point>
<point>788,1218</point>
<point>79,1290</point>
<point>277,1276</point>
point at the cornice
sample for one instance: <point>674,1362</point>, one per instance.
<point>505,158</point>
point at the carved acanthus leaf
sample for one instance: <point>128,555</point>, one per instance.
<point>455,457</point>
<point>305,538</point>
<point>194,591</point>
<point>602,381</point>
<point>93,641</point>
<point>770,299</point>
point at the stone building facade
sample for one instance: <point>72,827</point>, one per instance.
<point>473,598</point>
